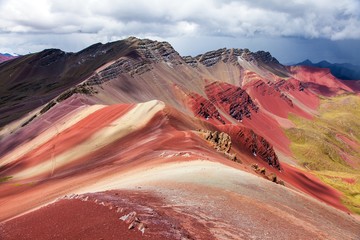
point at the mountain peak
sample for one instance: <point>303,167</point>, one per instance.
<point>224,54</point>
<point>307,62</point>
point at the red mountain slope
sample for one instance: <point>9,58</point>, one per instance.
<point>131,140</point>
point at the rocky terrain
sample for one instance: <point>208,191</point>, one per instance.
<point>131,140</point>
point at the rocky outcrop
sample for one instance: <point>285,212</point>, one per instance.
<point>203,108</point>
<point>209,59</point>
<point>247,139</point>
<point>234,100</point>
<point>221,141</point>
<point>80,89</point>
<point>49,57</point>
<point>278,89</point>
<point>265,57</point>
<point>157,51</point>
<point>271,177</point>
<point>139,60</point>
<point>131,66</point>
<point>198,105</point>
<point>189,60</point>
<point>290,85</point>
<point>225,55</point>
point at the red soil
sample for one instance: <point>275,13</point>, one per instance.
<point>319,79</point>
<point>233,100</point>
<point>4,58</point>
<point>276,101</point>
<point>345,180</point>
<point>349,180</point>
<point>140,148</point>
<point>73,136</point>
<point>40,124</point>
<point>348,141</point>
<point>167,131</point>
<point>312,186</point>
<point>199,105</point>
<point>246,139</point>
<point>306,97</point>
<point>203,108</point>
<point>96,217</point>
<point>159,134</point>
<point>239,105</point>
<point>270,129</point>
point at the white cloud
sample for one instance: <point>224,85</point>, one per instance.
<point>91,20</point>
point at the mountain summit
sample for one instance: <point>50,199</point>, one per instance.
<point>137,141</point>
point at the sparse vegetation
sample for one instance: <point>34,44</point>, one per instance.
<point>348,184</point>
<point>318,145</point>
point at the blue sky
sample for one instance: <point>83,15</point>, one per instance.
<point>291,30</point>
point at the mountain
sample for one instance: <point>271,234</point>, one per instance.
<point>5,57</point>
<point>344,71</point>
<point>131,140</point>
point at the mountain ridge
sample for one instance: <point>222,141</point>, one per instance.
<point>118,125</point>
<point>344,71</point>
<point>6,57</point>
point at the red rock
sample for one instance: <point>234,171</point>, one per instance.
<point>233,100</point>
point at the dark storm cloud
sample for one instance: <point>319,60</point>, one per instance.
<point>27,25</point>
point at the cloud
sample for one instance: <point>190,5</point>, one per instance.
<point>306,18</point>
<point>64,23</point>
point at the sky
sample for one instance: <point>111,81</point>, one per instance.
<point>291,30</point>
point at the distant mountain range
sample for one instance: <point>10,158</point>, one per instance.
<point>344,71</point>
<point>6,56</point>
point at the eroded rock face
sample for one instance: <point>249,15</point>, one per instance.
<point>189,60</point>
<point>280,89</point>
<point>157,51</point>
<point>144,53</point>
<point>290,85</point>
<point>221,141</point>
<point>265,57</point>
<point>209,59</point>
<point>80,89</point>
<point>204,108</point>
<point>255,144</point>
<point>276,89</point>
<point>234,100</point>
